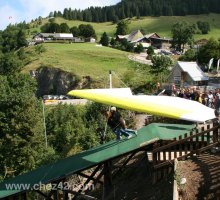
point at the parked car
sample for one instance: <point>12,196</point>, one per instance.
<point>63,97</point>
<point>47,97</point>
<point>165,52</point>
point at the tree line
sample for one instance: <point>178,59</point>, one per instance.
<point>70,129</point>
<point>83,30</point>
<point>138,8</point>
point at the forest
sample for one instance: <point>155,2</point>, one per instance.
<point>138,8</point>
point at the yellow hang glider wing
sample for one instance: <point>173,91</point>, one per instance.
<point>166,106</point>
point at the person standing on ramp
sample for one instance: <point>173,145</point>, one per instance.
<point>117,124</point>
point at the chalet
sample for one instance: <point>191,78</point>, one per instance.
<point>41,37</point>
<point>90,39</point>
<point>152,39</point>
<point>188,74</point>
<point>77,39</point>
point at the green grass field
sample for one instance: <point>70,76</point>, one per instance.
<point>90,60</point>
<point>161,25</point>
<point>83,59</point>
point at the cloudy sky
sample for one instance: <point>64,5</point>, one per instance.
<point>13,11</point>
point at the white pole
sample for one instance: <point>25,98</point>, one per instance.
<point>44,122</point>
<point>210,62</point>
<point>110,79</point>
<point>218,65</point>
<point>110,86</point>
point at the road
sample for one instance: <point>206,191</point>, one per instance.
<point>67,101</point>
<point>141,58</point>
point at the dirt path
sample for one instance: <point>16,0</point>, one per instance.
<point>141,58</point>
<point>202,175</point>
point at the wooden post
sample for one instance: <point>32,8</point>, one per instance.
<point>175,149</point>
<point>180,146</point>
<point>55,195</point>
<point>191,142</point>
<point>107,178</point>
<point>208,135</point>
<point>215,135</point>
<point>203,138</point>
<point>186,144</point>
<point>65,195</point>
<point>197,140</point>
<point>24,196</point>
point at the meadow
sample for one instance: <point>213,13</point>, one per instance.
<point>161,25</point>
<point>83,59</point>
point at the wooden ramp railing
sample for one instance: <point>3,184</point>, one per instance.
<point>195,142</point>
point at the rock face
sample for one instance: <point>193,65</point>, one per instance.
<point>55,81</point>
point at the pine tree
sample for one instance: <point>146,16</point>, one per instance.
<point>55,14</point>
<point>66,13</point>
<point>137,13</point>
<point>104,39</point>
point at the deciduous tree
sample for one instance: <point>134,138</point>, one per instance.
<point>122,27</point>
<point>160,64</point>
<point>182,33</point>
<point>22,143</point>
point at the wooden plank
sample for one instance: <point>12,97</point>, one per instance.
<point>202,139</point>
<point>199,150</point>
<point>208,135</point>
<point>180,145</point>
<point>186,145</point>
<point>189,154</point>
<point>163,164</point>
<point>164,156</point>
<point>179,142</point>
<point>87,176</point>
<point>169,154</point>
<point>215,135</point>
<point>44,195</point>
<point>158,157</point>
<point>191,142</point>
<point>175,149</point>
<point>125,163</point>
<point>154,158</point>
<point>65,195</point>
<point>197,140</point>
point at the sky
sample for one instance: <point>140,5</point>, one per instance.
<point>15,11</point>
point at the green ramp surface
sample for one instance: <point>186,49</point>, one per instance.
<point>91,157</point>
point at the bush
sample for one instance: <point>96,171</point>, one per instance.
<point>204,27</point>
<point>139,48</point>
<point>190,55</point>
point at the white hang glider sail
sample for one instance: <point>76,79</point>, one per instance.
<point>173,107</point>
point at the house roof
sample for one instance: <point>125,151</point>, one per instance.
<point>135,35</point>
<point>56,35</point>
<point>141,39</point>
<point>91,157</point>
<point>122,36</point>
<point>64,35</point>
<point>193,70</point>
<point>150,35</point>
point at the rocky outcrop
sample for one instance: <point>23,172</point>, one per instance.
<point>55,81</point>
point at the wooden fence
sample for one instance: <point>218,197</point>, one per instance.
<point>193,143</point>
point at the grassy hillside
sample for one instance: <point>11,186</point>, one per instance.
<point>161,25</point>
<point>84,59</point>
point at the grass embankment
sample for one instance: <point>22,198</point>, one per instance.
<point>161,25</point>
<point>83,59</point>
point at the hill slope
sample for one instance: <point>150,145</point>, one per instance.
<point>162,25</point>
<point>83,59</point>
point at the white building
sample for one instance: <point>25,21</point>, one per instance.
<point>188,74</point>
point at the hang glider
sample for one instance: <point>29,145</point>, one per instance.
<point>166,106</point>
